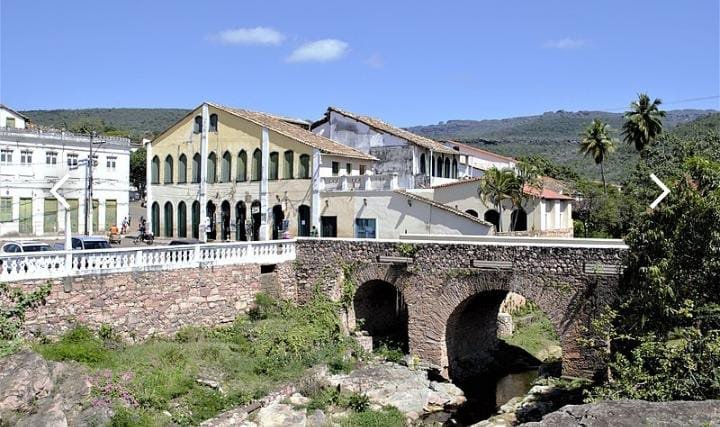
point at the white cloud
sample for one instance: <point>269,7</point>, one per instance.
<point>319,51</point>
<point>250,36</point>
<point>375,61</point>
<point>566,43</point>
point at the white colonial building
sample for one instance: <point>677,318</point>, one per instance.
<point>32,160</point>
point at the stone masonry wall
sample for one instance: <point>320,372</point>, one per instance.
<point>139,305</point>
<point>442,277</point>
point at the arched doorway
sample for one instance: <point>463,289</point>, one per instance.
<point>278,218</point>
<point>384,314</point>
<point>210,210</point>
<point>493,217</point>
<point>225,220</point>
<point>182,220</point>
<point>256,218</point>
<point>518,220</point>
<point>155,220</point>
<point>168,219</point>
<point>472,212</point>
<point>240,216</point>
<point>196,219</point>
<point>304,221</point>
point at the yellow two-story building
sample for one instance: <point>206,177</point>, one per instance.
<point>223,173</point>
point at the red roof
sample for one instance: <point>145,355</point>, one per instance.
<point>546,193</point>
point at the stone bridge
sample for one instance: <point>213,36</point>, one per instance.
<point>441,299</point>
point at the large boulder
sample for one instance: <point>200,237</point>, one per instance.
<point>631,413</point>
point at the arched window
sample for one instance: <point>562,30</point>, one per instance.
<point>518,220</point>
<point>447,167</point>
<point>274,160</point>
<point>211,168</point>
<point>197,126</point>
<point>472,212</point>
<point>289,165</point>
<point>182,169</point>
<point>168,170</point>
<point>304,172</point>
<point>168,219</point>
<point>493,217</point>
<point>226,167</point>
<point>155,170</point>
<point>256,165</point>
<point>196,168</point>
<point>422,164</point>
<point>439,167</point>
<point>196,219</point>
<point>241,167</point>
<point>182,220</point>
<point>213,123</point>
<point>155,220</point>
<point>454,168</point>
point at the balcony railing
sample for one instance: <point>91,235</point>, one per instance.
<point>360,182</point>
<point>60,264</point>
<point>54,134</point>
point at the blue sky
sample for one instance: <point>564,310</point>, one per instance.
<point>408,62</point>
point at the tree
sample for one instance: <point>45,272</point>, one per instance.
<point>87,125</point>
<point>527,184</point>
<point>597,143</point>
<point>643,123</point>
<point>498,186</point>
<point>138,167</point>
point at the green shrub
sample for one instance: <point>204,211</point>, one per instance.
<point>390,353</point>
<point>265,306</point>
<point>13,305</point>
<point>79,344</point>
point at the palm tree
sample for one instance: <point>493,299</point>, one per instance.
<point>597,143</point>
<point>497,186</point>
<point>643,123</point>
<point>527,182</point>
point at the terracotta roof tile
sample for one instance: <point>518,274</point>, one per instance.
<point>400,133</point>
<point>297,133</point>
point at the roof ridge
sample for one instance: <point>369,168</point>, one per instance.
<point>443,207</point>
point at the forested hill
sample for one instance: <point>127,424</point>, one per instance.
<point>135,122</point>
<point>552,126</point>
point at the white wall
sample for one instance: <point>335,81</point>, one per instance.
<point>5,113</point>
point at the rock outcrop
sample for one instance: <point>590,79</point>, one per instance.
<point>631,413</point>
<point>37,392</point>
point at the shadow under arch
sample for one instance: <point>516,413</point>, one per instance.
<point>381,311</point>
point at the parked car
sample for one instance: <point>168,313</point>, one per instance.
<point>86,243</point>
<point>184,242</point>
<point>24,246</point>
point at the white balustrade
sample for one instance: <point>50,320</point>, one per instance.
<point>50,265</point>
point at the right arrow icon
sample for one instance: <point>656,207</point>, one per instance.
<point>664,188</point>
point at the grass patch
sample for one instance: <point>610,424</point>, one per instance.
<point>276,343</point>
<point>385,417</point>
<point>533,330</point>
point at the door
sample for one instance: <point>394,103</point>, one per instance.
<point>110,213</point>
<point>210,221</point>
<point>240,215</point>
<point>304,220</point>
<point>196,220</point>
<point>328,226</point>
<point>25,215</point>
<point>50,218</point>
<point>95,215</point>
<point>256,218</point>
<point>74,215</point>
<point>225,219</point>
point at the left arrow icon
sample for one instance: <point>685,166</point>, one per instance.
<point>664,188</point>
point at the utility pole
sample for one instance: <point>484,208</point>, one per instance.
<point>89,183</point>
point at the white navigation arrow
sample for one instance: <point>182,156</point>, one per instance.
<point>664,188</point>
<point>56,187</point>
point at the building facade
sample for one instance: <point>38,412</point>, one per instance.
<point>419,162</point>
<point>32,160</point>
<point>224,173</point>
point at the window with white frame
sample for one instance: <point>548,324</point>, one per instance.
<point>26,157</point>
<point>72,159</point>
<point>111,162</point>
<point>6,156</point>
<point>51,157</point>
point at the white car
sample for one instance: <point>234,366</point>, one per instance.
<point>24,246</point>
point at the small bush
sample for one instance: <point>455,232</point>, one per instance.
<point>265,306</point>
<point>390,353</point>
<point>79,344</point>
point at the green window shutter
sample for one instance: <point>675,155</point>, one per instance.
<point>6,209</point>
<point>110,213</point>
<point>50,216</point>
